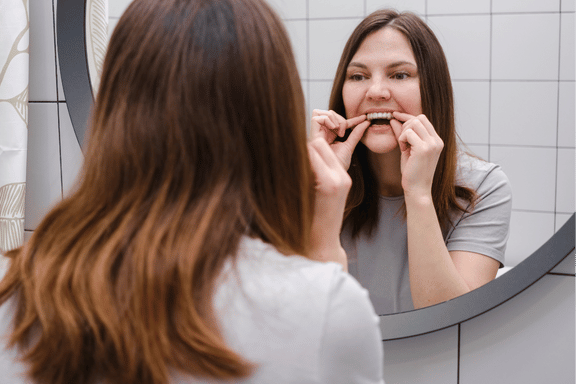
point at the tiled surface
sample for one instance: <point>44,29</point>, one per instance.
<point>532,174</point>
<point>566,265</point>
<point>448,7</point>
<point>335,8</point>
<point>426,359</point>
<point>519,118</point>
<point>567,5</point>
<point>529,339</point>
<point>528,232</point>
<point>290,9</point>
<point>515,41</point>
<point>72,157</point>
<point>43,177</point>
<point>299,39</point>
<point>320,94</point>
<point>117,7</point>
<point>566,116</point>
<point>567,47</point>
<point>526,6</point>
<point>457,34</point>
<point>42,51</point>
<point>327,40</point>
<point>471,106</point>
<point>418,6</point>
<point>565,182</point>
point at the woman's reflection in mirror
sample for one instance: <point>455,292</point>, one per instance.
<point>425,221</point>
<point>189,249</point>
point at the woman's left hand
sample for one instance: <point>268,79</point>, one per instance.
<point>420,147</point>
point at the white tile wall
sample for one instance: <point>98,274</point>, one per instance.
<point>567,47</point>
<point>299,38</point>
<point>530,339</point>
<point>524,113</point>
<point>472,102</point>
<point>537,227</point>
<point>458,34</point>
<point>566,115</point>
<point>565,182</point>
<point>450,7</point>
<point>526,6</point>
<point>290,9</point>
<point>522,52</point>
<point>418,6</point>
<point>426,359</point>
<point>335,8</point>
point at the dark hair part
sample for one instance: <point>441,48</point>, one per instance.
<point>198,137</point>
<point>437,104</point>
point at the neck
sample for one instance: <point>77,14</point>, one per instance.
<point>386,169</point>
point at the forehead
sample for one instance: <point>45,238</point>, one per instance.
<point>385,44</point>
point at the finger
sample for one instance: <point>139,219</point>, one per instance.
<point>397,128</point>
<point>401,116</point>
<point>408,139</point>
<point>357,133</point>
<point>326,153</point>
<point>355,121</point>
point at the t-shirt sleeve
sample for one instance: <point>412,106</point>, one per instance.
<point>351,349</point>
<point>485,229</point>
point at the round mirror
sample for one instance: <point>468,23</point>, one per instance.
<point>82,36</point>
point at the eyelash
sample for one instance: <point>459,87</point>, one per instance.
<point>359,77</point>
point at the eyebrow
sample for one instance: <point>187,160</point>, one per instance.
<point>393,65</point>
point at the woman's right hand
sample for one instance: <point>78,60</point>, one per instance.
<point>332,185</point>
<point>329,125</point>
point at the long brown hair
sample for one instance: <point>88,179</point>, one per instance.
<point>198,137</point>
<point>437,104</point>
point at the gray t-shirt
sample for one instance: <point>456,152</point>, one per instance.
<point>380,262</point>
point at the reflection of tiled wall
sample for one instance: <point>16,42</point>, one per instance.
<point>512,65</point>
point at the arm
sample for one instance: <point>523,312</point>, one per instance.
<point>351,350</point>
<point>436,274</point>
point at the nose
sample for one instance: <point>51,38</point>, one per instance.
<point>379,90</point>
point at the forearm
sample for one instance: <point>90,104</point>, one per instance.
<point>433,275</point>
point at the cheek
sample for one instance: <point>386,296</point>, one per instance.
<point>351,99</point>
<point>410,101</point>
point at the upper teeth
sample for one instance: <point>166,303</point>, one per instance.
<point>379,115</point>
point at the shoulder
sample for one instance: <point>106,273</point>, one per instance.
<point>480,175</point>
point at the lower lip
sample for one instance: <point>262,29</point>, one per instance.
<point>379,128</point>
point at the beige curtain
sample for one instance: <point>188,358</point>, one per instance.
<point>14,38</point>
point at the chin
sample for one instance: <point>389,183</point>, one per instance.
<point>380,143</point>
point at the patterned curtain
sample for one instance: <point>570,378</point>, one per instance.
<point>14,37</point>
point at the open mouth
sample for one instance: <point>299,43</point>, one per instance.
<point>379,118</point>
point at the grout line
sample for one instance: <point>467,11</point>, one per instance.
<point>557,118</point>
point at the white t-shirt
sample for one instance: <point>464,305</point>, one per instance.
<point>380,262</point>
<point>298,320</point>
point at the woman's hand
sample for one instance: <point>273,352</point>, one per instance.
<point>420,147</point>
<point>329,125</point>
<point>332,186</point>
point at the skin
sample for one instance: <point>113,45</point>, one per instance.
<point>383,77</point>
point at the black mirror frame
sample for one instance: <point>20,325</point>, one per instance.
<point>71,33</point>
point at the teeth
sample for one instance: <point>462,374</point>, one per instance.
<point>379,115</point>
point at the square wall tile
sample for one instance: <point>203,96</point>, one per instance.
<point>325,9</point>
<point>327,41</point>
<point>528,232</point>
<point>43,177</point>
<point>526,6</point>
<point>532,174</point>
<point>112,21</point>
<point>319,94</point>
<point>456,35</point>
<point>567,117</point>
<point>567,47</point>
<point>567,5</point>
<point>525,47</point>
<point>117,7</point>
<point>425,359</point>
<point>472,110</point>
<point>417,6</point>
<point>72,157</point>
<point>565,180</point>
<point>529,339</point>
<point>446,7</point>
<point>299,39</point>
<point>42,51</point>
<point>289,9</point>
<point>524,113</point>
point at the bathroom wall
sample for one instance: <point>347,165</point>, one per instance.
<point>512,65</point>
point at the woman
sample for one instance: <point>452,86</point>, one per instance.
<point>424,222</point>
<point>187,252</point>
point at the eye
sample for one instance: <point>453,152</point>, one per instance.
<point>400,76</point>
<point>356,77</point>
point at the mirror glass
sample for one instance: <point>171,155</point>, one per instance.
<point>512,111</point>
